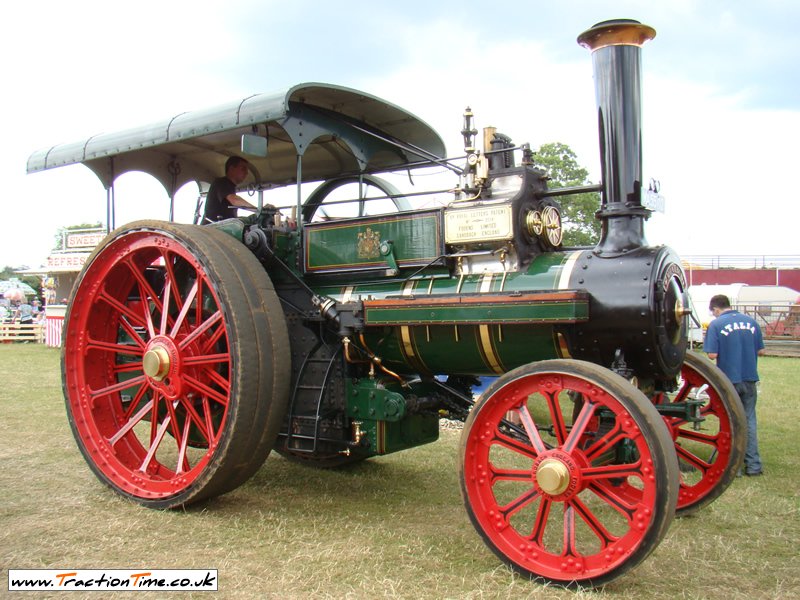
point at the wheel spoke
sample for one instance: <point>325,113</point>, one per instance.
<point>132,316</point>
<point>209,423</point>
<point>559,428</point>
<point>509,474</point>
<point>206,391</point>
<point>128,367</point>
<point>698,436</point>
<point>519,502</point>
<point>170,275</point>
<point>154,444</point>
<point>513,444</point>
<point>132,333</point>
<point>530,429</point>
<point>217,378</point>
<point>117,387</point>
<point>154,417</point>
<point>606,537</point>
<point>692,458</point>
<point>132,422</point>
<point>183,310</point>
<point>162,329</point>
<point>579,426</point>
<point>683,393</point>
<point>540,523</point>
<point>146,293</point>
<point>200,330</point>
<point>182,462</point>
<point>611,496</point>
<point>569,530</point>
<point>605,442</point>
<point>205,427</point>
<point>212,340</point>
<point>612,471</point>
<point>180,438</point>
<point>208,359</point>
<point>114,347</point>
<point>135,402</point>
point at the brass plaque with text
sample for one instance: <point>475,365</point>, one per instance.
<point>482,224</point>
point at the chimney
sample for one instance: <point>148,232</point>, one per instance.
<point>616,60</point>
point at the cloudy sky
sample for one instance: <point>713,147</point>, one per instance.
<point>721,94</point>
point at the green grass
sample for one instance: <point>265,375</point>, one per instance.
<point>391,527</point>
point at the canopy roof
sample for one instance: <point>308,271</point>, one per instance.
<point>337,131</point>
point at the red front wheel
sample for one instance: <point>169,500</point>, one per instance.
<point>550,457</point>
<point>173,363</point>
<point>710,451</point>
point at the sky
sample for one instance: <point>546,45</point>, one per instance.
<point>721,95</point>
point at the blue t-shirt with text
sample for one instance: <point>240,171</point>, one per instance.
<point>736,339</point>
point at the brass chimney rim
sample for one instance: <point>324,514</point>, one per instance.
<point>617,32</point>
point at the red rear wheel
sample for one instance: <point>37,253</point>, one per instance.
<point>710,452</point>
<point>549,456</point>
<point>172,368</point>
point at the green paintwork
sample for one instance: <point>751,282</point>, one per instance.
<point>465,347</point>
<point>233,227</point>
<point>385,437</point>
<point>368,399</point>
<point>457,312</point>
<point>354,244</point>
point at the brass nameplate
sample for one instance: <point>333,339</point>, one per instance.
<point>484,224</point>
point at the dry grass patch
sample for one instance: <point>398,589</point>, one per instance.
<point>392,527</point>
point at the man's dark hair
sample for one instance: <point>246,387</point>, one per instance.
<point>234,161</point>
<point>719,301</point>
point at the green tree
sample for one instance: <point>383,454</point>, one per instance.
<point>58,242</point>
<point>581,228</point>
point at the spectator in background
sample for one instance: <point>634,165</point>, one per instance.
<point>736,342</point>
<point>24,313</point>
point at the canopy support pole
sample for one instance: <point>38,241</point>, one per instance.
<point>299,214</point>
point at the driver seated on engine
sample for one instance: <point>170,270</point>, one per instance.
<point>222,202</point>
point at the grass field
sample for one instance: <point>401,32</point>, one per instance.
<point>391,527</point>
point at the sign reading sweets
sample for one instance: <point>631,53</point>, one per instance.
<point>84,240</point>
<point>487,223</point>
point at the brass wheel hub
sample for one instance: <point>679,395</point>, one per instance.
<point>156,363</point>
<point>552,475</point>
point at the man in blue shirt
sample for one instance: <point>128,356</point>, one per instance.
<point>735,341</point>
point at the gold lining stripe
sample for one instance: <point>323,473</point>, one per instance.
<point>381,437</point>
<point>493,362</point>
<point>405,330</point>
<point>561,346</point>
<point>484,333</point>
<point>566,270</point>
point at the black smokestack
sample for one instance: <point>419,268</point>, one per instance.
<point>616,59</point>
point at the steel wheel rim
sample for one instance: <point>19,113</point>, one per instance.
<point>530,551</point>
<point>181,400</point>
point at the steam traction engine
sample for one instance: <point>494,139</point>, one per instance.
<point>190,352</point>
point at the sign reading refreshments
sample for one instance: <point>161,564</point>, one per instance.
<point>67,260</point>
